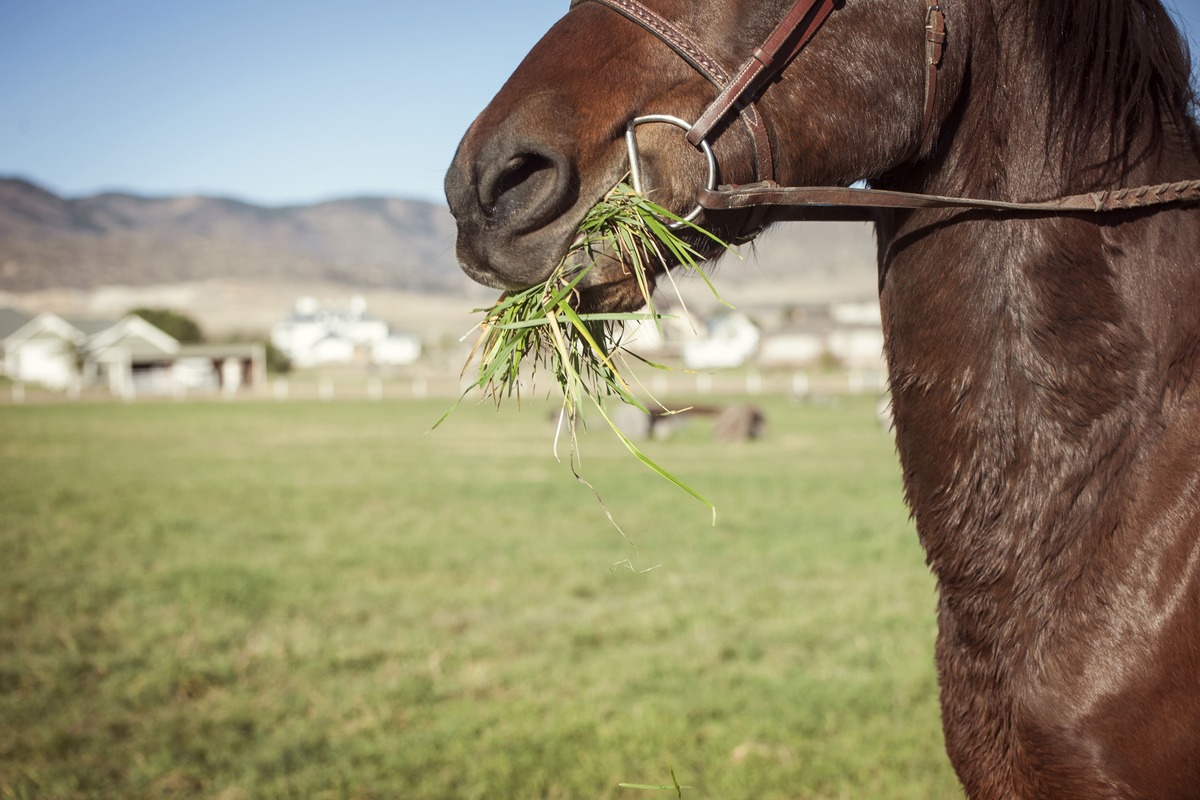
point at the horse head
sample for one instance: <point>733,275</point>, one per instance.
<point>552,142</point>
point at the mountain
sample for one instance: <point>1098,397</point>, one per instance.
<point>47,241</point>
<point>52,242</point>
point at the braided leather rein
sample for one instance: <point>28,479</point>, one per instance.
<point>831,202</point>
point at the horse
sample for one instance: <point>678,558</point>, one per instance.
<point>1042,345</point>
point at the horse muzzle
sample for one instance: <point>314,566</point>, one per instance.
<point>514,197</point>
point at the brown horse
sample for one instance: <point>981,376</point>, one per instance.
<point>1045,367</point>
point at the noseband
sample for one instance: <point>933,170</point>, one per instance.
<point>769,201</point>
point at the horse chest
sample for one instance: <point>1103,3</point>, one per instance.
<point>1057,498</point>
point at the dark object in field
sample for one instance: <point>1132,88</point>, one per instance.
<point>735,423</point>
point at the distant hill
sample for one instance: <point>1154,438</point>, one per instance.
<point>52,242</point>
<point>47,241</point>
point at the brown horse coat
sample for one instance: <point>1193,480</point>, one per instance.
<point>1045,370</point>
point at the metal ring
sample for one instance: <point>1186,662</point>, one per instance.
<point>635,169</point>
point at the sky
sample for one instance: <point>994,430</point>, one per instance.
<point>274,102</point>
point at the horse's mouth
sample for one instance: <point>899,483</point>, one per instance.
<point>495,251</point>
<point>611,286</point>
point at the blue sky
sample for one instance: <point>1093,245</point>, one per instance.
<point>265,100</point>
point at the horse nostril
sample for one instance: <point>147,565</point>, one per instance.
<point>523,170</point>
<point>525,191</point>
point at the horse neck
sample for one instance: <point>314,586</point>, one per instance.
<point>1029,356</point>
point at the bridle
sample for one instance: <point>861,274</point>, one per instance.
<point>735,93</point>
<point>766,200</point>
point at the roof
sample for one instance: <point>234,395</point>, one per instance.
<point>140,338</point>
<point>46,325</point>
<point>90,327</point>
<point>231,350</point>
<point>12,320</point>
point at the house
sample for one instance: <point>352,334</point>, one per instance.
<point>396,350</point>
<point>797,345</point>
<point>45,349</point>
<point>663,337</point>
<point>314,334</point>
<point>11,321</point>
<point>228,368</point>
<point>731,340</point>
<point>129,356</point>
<point>847,333</point>
<point>857,347</point>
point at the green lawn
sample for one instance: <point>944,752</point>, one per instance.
<point>306,600</point>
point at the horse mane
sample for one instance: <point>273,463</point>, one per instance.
<point>1123,65</point>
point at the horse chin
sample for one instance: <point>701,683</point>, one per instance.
<point>616,297</point>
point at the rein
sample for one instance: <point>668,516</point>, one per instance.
<point>765,199</point>
<point>833,203</point>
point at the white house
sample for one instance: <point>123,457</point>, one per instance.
<point>666,336</point>
<point>862,314</point>
<point>859,347</point>
<point>43,350</point>
<point>795,346</point>
<point>331,348</point>
<point>11,321</point>
<point>731,340</point>
<point>396,350</point>
<point>129,356</point>
<point>133,357</point>
<point>848,333</point>
<point>315,334</point>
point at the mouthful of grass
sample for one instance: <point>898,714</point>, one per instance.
<point>540,327</point>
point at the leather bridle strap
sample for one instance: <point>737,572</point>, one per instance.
<point>789,37</point>
<point>668,32</point>
<point>737,92</point>
<point>935,43</point>
<point>687,49</point>
<point>832,202</point>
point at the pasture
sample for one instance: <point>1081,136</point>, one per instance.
<point>325,600</point>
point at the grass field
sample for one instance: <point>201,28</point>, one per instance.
<point>307,600</point>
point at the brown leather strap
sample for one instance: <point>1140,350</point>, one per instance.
<point>687,49</point>
<point>832,202</point>
<point>935,43</point>
<point>670,33</point>
<point>790,36</point>
<point>795,29</point>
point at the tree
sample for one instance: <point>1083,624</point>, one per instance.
<point>277,361</point>
<point>183,328</point>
